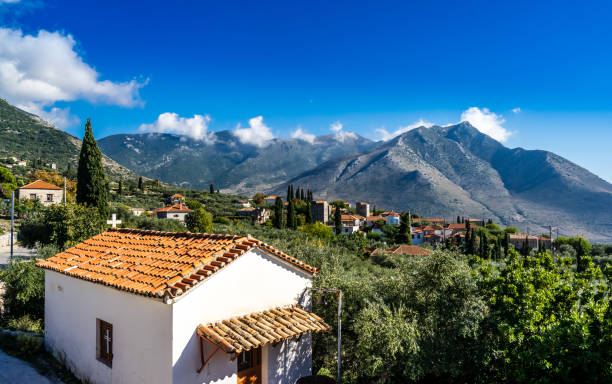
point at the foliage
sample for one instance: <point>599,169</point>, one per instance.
<point>62,225</point>
<point>8,183</point>
<point>56,179</point>
<point>92,189</point>
<point>337,221</point>
<point>258,198</point>
<point>24,290</point>
<point>278,213</point>
<point>199,220</point>
<point>317,231</point>
<point>26,324</point>
<point>404,234</point>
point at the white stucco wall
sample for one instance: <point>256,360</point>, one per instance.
<point>142,327</point>
<point>253,283</point>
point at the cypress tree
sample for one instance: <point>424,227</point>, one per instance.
<point>302,194</point>
<point>278,213</point>
<point>458,220</point>
<point>338,221</point>
<point>404,235</point>
<point>289,192</point>
<point>291,218</point>
<point>140,186</point>
<point>91,181</point>
<point>525,250</point>
<point>308,212</point>
<point>120,187</point>
<point>506,244</point>
<point>211,188</point>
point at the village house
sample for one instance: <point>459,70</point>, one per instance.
<point>321,211</point>
<point>270,199</point>
<point>363,209</point>
<point>244,203</point>
<point>518,241</point>
<point>410,250</point>
<point>371,220</point>
<point>135,306</point>
<point>173,212</point>
<point>351,223</point>
<point>137,211</point>
<point>416,236</point>
<point>257,215</point>
<point>177,198</point>
<point>42,191</point>
<point>392,218</point>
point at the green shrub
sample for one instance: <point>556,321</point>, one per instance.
<point>24,290</point>
<point>25,323</point>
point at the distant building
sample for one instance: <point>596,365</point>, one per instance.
<point>42,191</point>
<point>177,198</point>
<point>392,218</point>
<point>351,223</point>
<point>244,203</point>
<point>371,220</point>
<point>257,215</point>
<point>137,211</point>
<point>173,212</point>
<point>53,166</point>
<point>363,209</point>
<point>270,199</point>
<point>410,250</point>
<point>518,241</point>
<point>417,237</point>
<point>321,211</point>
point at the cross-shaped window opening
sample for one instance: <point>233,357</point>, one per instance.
<point>105,342</point>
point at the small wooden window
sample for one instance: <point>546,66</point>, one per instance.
<point>49,197</point>
<point>33,196</point>
<point>249,359</point>
<point>105,342</point>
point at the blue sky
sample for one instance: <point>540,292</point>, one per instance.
<point>537,75</point>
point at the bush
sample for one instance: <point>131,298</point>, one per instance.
<point>26,323</point>
<point>24,290</point>
<point>317,231</point>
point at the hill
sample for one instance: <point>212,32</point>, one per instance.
<point>456,170</point>
<point>28,137</point>
<point>231,165</point>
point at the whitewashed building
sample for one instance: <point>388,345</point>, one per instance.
<point>134,306</point>
<point>173,212</point>
<point>42,191</point>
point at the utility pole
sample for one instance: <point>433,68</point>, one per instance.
<point>12,222</point>
<point>64,189</point>
<point>552,248</point>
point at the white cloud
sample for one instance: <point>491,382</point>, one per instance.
<point>195,127</point>
<point>60,117</point>
<point>386,136</point>
<point>341,135</point>
<point>257,134</point>
<point>38,70</point>
<point>486,122</point>
<point>516,110</point>
<point>336,127</point>
<point>302,135</point>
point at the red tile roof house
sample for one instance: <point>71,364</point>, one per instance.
<point>42,191</point>
<point>174,212</point>
<point>134,306</point>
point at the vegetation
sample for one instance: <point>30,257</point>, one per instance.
<point>91,181</point>
<point>198,220</point>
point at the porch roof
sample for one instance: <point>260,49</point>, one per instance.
<point>243,333</point>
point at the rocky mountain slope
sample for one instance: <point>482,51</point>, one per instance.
<point>231,165</point>
<point>28,137</point>
<point>456,170</point>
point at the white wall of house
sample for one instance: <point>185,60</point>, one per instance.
<point>392,220</point>
<point>180,216</point>
<point>254,282</point>
<point>142,345</point>
<point>43,195</point>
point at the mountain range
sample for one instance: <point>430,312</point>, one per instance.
<point>437,171</point>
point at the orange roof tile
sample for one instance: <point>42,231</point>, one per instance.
<point>257,329</point>
<point>39,184</point>
<point>178,195</point>
<point>173,208</point>
<point>412,250</point>
<point>153,263</point>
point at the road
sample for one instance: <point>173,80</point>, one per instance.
<point>15,371</point>
<point>19,252</point>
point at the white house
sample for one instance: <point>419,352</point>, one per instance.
<point>173,212</point>
<point>137,211</point>
<point>135,306</point>
<point>392,218</point>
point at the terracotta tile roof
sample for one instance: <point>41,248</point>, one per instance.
<point>178,195</point>
<point>456,226</point>
<point>412,250</point>
<point>252,331</point>
<point>173,208</point>
<point>320,201</point>
<point>351,217</point>
<point>39,184</point>
<point>374,218</point>
<point>391,214</point>
<point>153,263</point>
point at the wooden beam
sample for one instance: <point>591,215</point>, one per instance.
<point>205,362</point>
